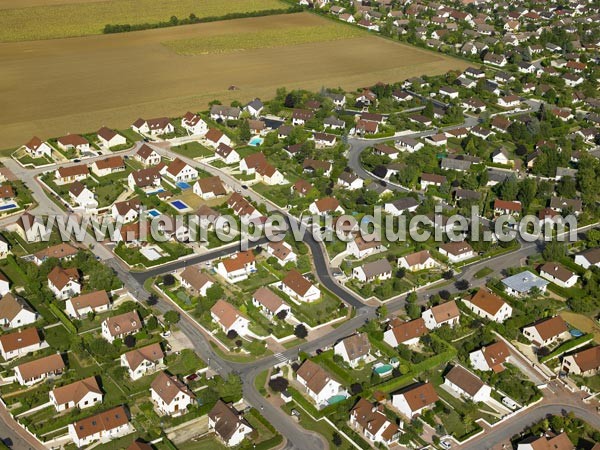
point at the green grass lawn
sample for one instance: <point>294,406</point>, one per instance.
<point>483,272</point>
<point>186,363</point>
<point>193,150</point>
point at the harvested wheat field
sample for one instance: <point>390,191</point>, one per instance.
<point>53,87</point>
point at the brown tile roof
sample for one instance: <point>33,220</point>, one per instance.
<point>296,282</point>
<point>559,442</point>
<point>373,418</point>
<point>145,151</point>
<point>72,139</point>
<point>146,177</point>
<point>506,205</point>
<point>268,299</point>
<point>227,420</point>
<point>92,300</point>
<point>6,191</point>
<point>417,258</point>
<point>405,331</point>
<point>59,277</point>
<point>104,421</point>
<point>106,133</point>
<point>548,328</point>
<point>213,135</point>
<point>34,143</point>
<point>62,250</point>
<point>176,166</point>
<point>48,364</point>
<point>223,150</point>
<point>124,323</point>
<point>20,339</point>
<point>465,380</point>
<point>238,261</point>
<point>557,271</point>
<point>127,205</point>
<point>487,301</point>
<point>420,396</point>
<point>168,387</point>
<point>212,184</point>
<point>445,311</point>
<point>357,345</point>
<point>302,187</point>
<point>588,359</point>
<point>151,352</point>
<point>112,162</point>
<point>280,250</point>
<point>74,392</point>
<point>314,375</point>
<point>456,248</point>
<point>139,445</point>
<point>195,277</point>
<point>327,204</point>
<point>10,306</point>
<point>71,171</point>
<point>226,313</point>
<point>363,244</point>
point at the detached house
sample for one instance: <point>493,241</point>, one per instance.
<point>82,196</point>
<point>142,361</point>
<point>153,127</point>
<point>361,248</point>
<point>30,228</point>
<point>523,283</point>
<point>318,383</point>
<point>489,306</point>
<point>20,343</point>
<point>126,211</point>
<point>170,396</point>
<point>350,181</point>
<point>585,363</point>
<point>325,206</point>
<point>224,113</point>
<point>73,142</point>
<point>108,166</point>
<point>237,267</point>
<point>110,138</point>
<point>372,423</point>
<point>228,424</point>
<point>299,288</point>
<point>37,148</point>
<point>227,154</point>
<point>353,349</point>
<point>118,327</point>
<point>401,206</point>
<point>444,314</point>
<point>282,251</point>
<point>269,303</point>
<point>179,171</point>
<point>92,302</point>
<point>210,187</point>
<point>373,271</point>
<point>547,331</point>
<point>417,261</point>
<point>81,394</point>
<point>195,281</point>
<point>64,283</point>
<point>70,174</point>
<point>457,251</point>
<point>103,426</point>
<point>406,333</point>
<point>15,312</point>
<point>194,124</point>
<point>215,138</point>
<point>33,372</point>
<point>147,156</point>
<point>467,385</point>
<point>301,116</point>
<point>414,400</point>
<point>588,258</point>
<point>550,442</point>
<point>229,318</point>
<point>558,274</point>
<point>146,179</point>
<point>491,357</point>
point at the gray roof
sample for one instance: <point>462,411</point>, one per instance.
<point>375,268</point>
<point>523,282</point>
<point>455,164</point>
<point>405,203</point>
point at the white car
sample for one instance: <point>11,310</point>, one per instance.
<point>445,444</point>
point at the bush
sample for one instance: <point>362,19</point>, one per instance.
<point>278,384</point>
<point>168,280</point>
<point>300,331</point>
<point>171,317</point>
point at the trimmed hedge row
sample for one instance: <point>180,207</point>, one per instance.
<point>565,347</point>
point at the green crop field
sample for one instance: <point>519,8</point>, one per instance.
<point>30,20</point>
<point>263,39</point>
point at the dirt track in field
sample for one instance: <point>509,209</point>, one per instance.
<point>49,88</point>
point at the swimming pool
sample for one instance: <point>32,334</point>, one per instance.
<point>154,212</point>
<point>336,399</point>
<point>157,191</point>
<point>8,206</point>
<point>256,141</point>
<point>576,333</point>
<point>179,205</point>
<point>182,185</point>
<point>382,369</point>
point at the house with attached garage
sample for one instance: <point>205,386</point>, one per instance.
<point>385,150</point>
<point>229,318</point>
<point>257,163</point>
<point>415,399</point>
<point>490,357</point>
<point>229,425</point>
<point>467,385</point>
<point>363,246</point>
<point>431,179</point>
<point>215,137</point>
<point>488,305</point>
<point>282,251</point>
<point>33,372</point>
<point>319,385</point>
<point>372,423</point>
<point>36,148</point>
<point>237,267</point>
<point>588,258</point>
<point>142,361</point>
<point>350,181</point>
<point>325,206</point>
<point>170,396</point>
<point>126,211</point>
<point>153,127</point>
<point>417,261</point>
<point>79,394</point>
<point>585,363</point>
<point>70,174</point>
<point>324,140</point>
<point>108,166</point>
<point>313,166</point>
<point>558,274</point>
<point>299,288</point>
<point>269,303</point>
<point>82,196</point>
<point>457,251</point>
<point>334,123</point>
<point>227,154</point>
<point>147,156</point>
<point>195,281</point>
<point>30,228</point>
<point>73,142</point>
<point>401,206</point>
<point>194,124</point>
<point>354,349</point>
<point>521,284</point>
<point>379,270</point>
<point>443,314</point>
<point>409,144</point>
<point>224,113</point>
<point>92,302</point>
<point>64,283</point>
<point>406,333</point>
<point>179,171</point>
<point>145,179</point>
<point>547,331</point>
<point>110,138</point>
<point>104,426</point>
<point>243,208</point>
<point>208,188</point>
<point>15,312</point>
<point>121,326</point>
<point>20,343</point>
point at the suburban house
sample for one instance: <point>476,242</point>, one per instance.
<point>457,251</point>
<point>153,127</point>
<point>299,288</point>
<point>467,385</point>
<point>488,305</point>
<point>15,312</point>
<point>372,423</point>
<point>417,261</point>
<point>194,124</point>
<point>379,270</point>
<point>110,138</point>
<point>507,208</point>
<point>269,303</point>
<point>353,349</point>
<point>142,361</point>
<point>313,166</point>
<point>282,251</point>
<point>64,283</point>
<point>405,333</point>
<point>409,144</point>
<point>147,156</point>
<point>38,148</point>
<point>243,208</point>
<point>325,206</point>
<point>414,400</point>
<point>103,426</point>
<point>443,314</point>
<point>81,394</point>
<point>254,108</point>
<point>170,396</point>
<point>229,318</point>
<point>118,327</point>
<point>224,113</point>
<point>33,372</point>
<point>361,248</point>
<point>237,267</point>
<point>431,179</point>
<point>522,284</point>
<point>82,196</point>
<point>70,174</point>
<point>4,284</point>
<point>4,247</point>
<point>547,331</point>
<point>318,383</point>
<point>195,281</point>
<point>385,150</point>
<point>216,138</point>
<point>73,141</point>
<point>92,302</point>
<point>228,424</point>
<point>550,442</point>
<point>20,343</point>
<point>227,154</point>
<point>558,274</point>
<point>350,181</point>
<point>108,166</point>
<point>179,171</point>
<point>401,206</point>
<point>301,116</point>
<point>30,228</point>
<point>208,188</point>
<point>146,179</point>
<point>585,363</point>
<point>587,258</point>
<point>491,357</point>
<point>126,211</point>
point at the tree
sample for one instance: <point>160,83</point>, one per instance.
<point>232,334</point>
<point>428,111</point>
<point>300,331</point>
<point>281,315</point>
<point>553,251</point>
<point>168,280</point>
<point>152,300</point>
<point>412,309</point>
<point>129,341</point>
<point>231,389</point>
<point>214,293</point>
<point>462,285</point>
<point>171,317</point>
<point>336,439</point>
<point>244,130</point>
<point>278,384</point>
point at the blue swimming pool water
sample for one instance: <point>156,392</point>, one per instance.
<point>154,213</point>
<point>182,185</point>
<point>256,141</point>
<point>158,191</point>
<point>178,204</point>
<point>336,399</point>
<point>576,333</point>
<point>8,206</point>
<point>383,369</point>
